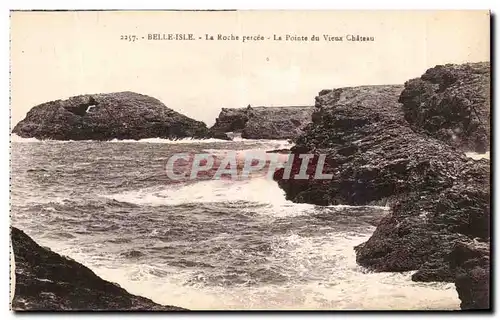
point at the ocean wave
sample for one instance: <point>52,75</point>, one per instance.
<point>257,190</point>
<point>16,138</point>
<point>37,170</point>
<point>277,144</point>
<point>257,194</point>
<point>320,273</point>
<point>58,203</point>
<point>220,244</point>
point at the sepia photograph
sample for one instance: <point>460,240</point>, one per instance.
<point>193,160</point>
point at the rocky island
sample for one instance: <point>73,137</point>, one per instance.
<point>262,122</point>
<point>47,281</point>
<point>130,115</point>
<point>382,148</point>
<point>119,115</point>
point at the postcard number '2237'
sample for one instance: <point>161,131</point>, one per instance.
<point>129,37</point>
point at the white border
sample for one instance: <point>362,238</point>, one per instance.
<point>256,4</point>
<point>186,4</point>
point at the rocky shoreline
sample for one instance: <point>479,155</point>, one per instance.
<point>47,281</point>
<point>400,145</point>
<point>438,196</point>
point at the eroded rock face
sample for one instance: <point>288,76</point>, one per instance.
<point>470,262</point>
<point>438,196</point>
<point>120,115</point>
<point>424,226</point>
<point>452,104</point>
<point>47,281</point>
<point>262,122</point>
<point>352,126</point>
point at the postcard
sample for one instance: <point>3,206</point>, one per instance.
<point>250,160</point>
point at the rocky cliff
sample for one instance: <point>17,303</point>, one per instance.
<point>120,115</point>
<point>262,122</point>
<point>471,264</point>
<point>452,104</point>
<point>438,196</point>
<point>44,280</point>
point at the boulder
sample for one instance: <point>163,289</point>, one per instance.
<point>45,280</point>
<point>470,262</point>
<point>119,115</point>
<point>451,103</point>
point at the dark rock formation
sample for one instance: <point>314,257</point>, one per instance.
<point>230,120</point>
<point>348,126</point>
<point>452,104</point>
<point>120,115</point>
<point>48,281</point>
<point>424,226</point>
<point>437,195</point>
<point>471,264</point>
<point>262,122</point>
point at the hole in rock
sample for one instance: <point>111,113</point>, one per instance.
<point>83,108</point>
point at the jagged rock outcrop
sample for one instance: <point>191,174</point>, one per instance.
<point>347,123</point>
<point>262,122</point>
<point>119,115</point>
<point>424,226</point>
<point>230,120</point>
<point>438,196</point>
<point>44,280</point>
<point>470,263</point>
<point>451,103</point>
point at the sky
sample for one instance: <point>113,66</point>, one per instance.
<point>55,55</point>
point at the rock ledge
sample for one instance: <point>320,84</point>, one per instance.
<point>47,281</point>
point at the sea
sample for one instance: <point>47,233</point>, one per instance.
<point>202,244</point>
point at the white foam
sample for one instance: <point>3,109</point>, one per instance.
<point>16,138</point>
<point>346,285</point>
<point>258,190</point>
<point>335,281</point>
<point>340,285</point>
<point>322,269</point>
<point>477,156</point>
<point>267,144</point>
